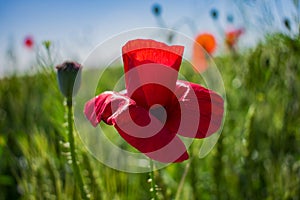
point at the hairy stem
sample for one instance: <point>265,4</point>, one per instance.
<point>152,182</point>
<point>71,139</point>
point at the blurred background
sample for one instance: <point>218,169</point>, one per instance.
<point>255,45</point>
<point>76,27</point>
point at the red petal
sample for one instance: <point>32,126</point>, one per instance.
<point>154,139</point>
<point>232,37</point>
<point>103,106</point>
<point>140,51</point>
<point>28,41</point>
<point>147,138</point>
<point>201,110</point>
<point>151,68</point>
<point>174,152</point>
<point>139,128</point>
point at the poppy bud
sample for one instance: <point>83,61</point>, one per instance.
<point>69,75</point>
<point>170,37</point>
<point>156,9</point>
<point>287,23</point>
<point>47,44</point>
<point>214,13</point>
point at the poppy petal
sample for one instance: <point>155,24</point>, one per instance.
<point>173,152</point>
<point>201,110</point>
<point>232,37</point>
<point>141,51</point>
<point>199,59</point>
<point>207,41</point>
<point>151,68</point>
<point>146,137</point>
<point>160,144</point>
<point>203,42</point>
<point>137,126</point>
<point>104,106</point>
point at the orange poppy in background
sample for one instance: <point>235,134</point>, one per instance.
<point>232,37</point>
<point>207,42</point>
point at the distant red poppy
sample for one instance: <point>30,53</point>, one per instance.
<point>28,42</point>
<point>204,41</point>
<point>232,37</point>
<point>157,107</point>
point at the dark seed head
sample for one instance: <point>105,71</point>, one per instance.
<point>69,75</point>
<point>287,23</point>
<point>214,13</point>
<point>170,37</point>
<point>156,10</point>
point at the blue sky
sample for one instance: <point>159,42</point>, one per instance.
<point>76,27</point>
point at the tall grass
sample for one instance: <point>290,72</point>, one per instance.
<point>256,157</point>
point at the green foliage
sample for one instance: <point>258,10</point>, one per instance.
<point>256,157</point>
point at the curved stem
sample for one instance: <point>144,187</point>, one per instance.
<point>71,139</point>
<point>152,182</point>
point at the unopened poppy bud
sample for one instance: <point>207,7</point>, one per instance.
<point>214,13</point>
<point>47,44</point>
<point>156,9</point>
<point>69,76</point>
<point>170,37</point>
<point>287,23</point>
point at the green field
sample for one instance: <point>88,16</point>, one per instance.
<point>256,157</point>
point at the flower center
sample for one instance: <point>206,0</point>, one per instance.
<point>159,112</point>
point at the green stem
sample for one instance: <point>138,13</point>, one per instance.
<point>187,167</point>
<point>71,139</point>
<point>152,182</point>
<point>49,58</point>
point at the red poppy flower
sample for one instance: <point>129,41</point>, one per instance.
<point>28,42</point>
<point>156,107</point>
<point>232,37</point>
<point>204,41</point>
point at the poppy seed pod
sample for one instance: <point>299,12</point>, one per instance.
<point>214,14</point>
<point>69,75</point>
<point>287,23</point>
<point>156,9</point>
